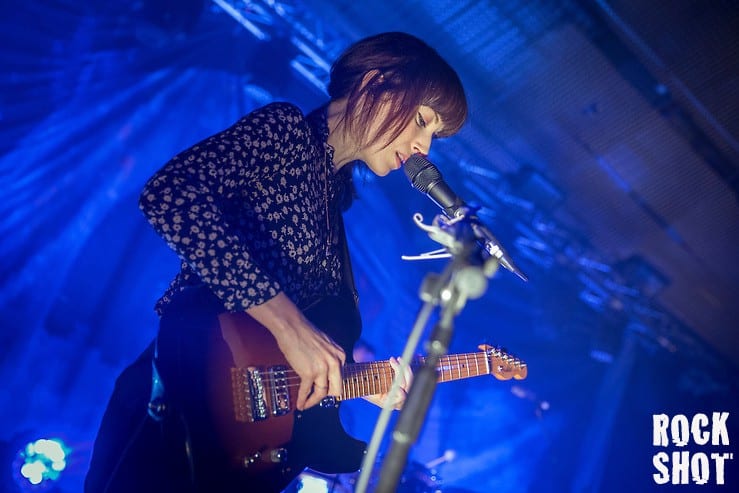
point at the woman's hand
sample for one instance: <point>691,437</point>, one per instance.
<point>405,385</point>
<point>316,358</point>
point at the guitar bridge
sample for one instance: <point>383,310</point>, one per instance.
<point>249,396</point>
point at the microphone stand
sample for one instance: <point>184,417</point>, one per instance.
<point>465,277</point>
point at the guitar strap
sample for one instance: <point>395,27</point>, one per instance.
<point>346,261</point>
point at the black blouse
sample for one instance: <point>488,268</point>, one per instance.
<point>254,210</point>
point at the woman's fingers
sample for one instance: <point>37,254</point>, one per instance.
<point>313,355</point>
<point>406,378</point>
<point>325,379</point>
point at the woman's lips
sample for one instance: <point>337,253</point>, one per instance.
<point>399,160</point>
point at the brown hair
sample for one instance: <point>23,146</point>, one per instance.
<point>402,70</point>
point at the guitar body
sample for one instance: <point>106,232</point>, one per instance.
<point>216,367</point>
<point>286,442</point>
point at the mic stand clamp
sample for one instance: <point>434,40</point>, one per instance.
<point>465,277</point>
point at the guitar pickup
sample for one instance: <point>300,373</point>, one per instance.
<point>280,390</point>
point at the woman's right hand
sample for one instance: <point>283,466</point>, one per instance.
<point>314,356</point>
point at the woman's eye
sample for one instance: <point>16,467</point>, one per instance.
<point>421,122</point>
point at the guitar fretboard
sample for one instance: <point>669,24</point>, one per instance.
<point>362,379</point>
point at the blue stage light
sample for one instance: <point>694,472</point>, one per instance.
<point>311,484</point>
<point>43,460</point>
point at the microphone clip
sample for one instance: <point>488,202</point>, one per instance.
<point>457,234</point>
<point>439,231</point>
<point>457,237</point>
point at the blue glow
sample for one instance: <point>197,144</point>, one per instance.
<point>43,459</point>
<point>310,484</point>
<point>95,96</point>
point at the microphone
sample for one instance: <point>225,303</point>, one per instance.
<point>427,179</point>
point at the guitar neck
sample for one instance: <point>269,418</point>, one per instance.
<point>362,379</point>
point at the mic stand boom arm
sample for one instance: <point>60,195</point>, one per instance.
<point>465,277</point>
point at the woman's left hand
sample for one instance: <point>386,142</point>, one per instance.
<point>405,385</point>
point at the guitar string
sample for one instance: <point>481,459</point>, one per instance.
<point>378,375</point>
<point>448,361</point>
<point>448,364</point>
<point>383,367</point>
<point>378,371</point>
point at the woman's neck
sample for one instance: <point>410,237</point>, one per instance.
<point>344,149</point>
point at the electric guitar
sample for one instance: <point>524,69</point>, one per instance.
<point>252,394</point>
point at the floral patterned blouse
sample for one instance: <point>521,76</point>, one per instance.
<point>254,210</point>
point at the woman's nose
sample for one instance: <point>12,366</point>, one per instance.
<point>422,144</point>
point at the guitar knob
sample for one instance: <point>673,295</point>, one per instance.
<point>279,455</point>
<point>251,459</point>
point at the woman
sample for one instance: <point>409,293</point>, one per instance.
<point>255,214</point>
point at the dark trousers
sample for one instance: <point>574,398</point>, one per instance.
<point>133,452</point>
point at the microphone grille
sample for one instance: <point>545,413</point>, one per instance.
<point>421,172</point>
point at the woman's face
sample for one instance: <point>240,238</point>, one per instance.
<point>415,137</point>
